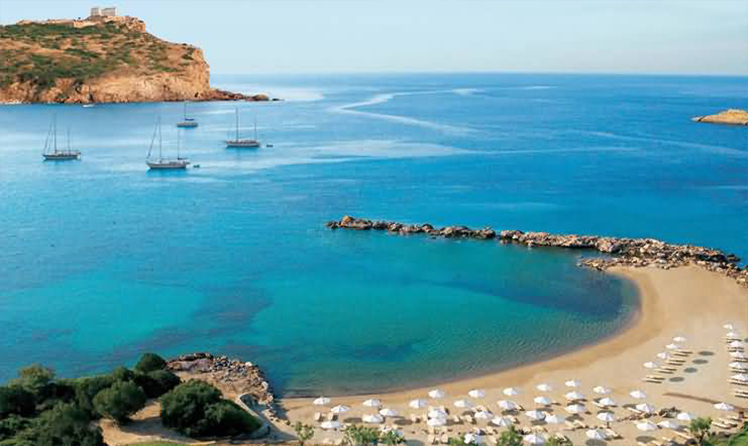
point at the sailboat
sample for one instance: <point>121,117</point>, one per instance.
<point>243,143</point>
<point>187,123</point>
<point>164,163</point>
<point>51,153</point>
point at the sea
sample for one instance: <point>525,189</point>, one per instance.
<point>102,260</point>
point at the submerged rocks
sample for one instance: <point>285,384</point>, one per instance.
<point>623,251</point>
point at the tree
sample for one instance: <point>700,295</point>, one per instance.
<point>120,401</point>
<point>304,432</point>
<point>63,425</point>
<point>123,374</point>
<point>15,400</point>
<point>227,418</point>
<point>37,379</point>
<point>360,436</point>
<point>150,362</point>
<point>392,437</point>
<point>87,388</point>
<point>156,383</point>
<point>11,425</point>
<point>700,428</point>
<point>510,437</point>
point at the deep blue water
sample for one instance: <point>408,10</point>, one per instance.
<point>101,260</point>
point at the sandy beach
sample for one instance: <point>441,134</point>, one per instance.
<point>689,301</point>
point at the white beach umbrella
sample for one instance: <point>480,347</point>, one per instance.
<point>601,390</point>
<point>638,394</point>
<point>738,355</point>
<point>435,422</point>
<point>477,393</point>
<point>679,339</point>
<point>544,387</point>
<point>437,393</point>
<point>739,365</point>
<point>672,346</point>
<point>508,405</point>
<point>417,404</point>
<point>321,401</point>
<point>669,424</point>
<point>372,419</point>
<point>646,408</point>
<point>387,412</point>
<point>686,416</point>
<point>650,365</point>
<point>372,403</point>
<point>728,327</point>
<point>736,344</point>
<point>607,401</point>
<point>437,413</point>
<point>535,439</point>
<point>576,408</point>
<point>483,415</point>
<point>573,396</point>
<point>608,417</point>
<point>742,377</point>
<point>463,404</point>
<point>535,415</point>
<point>502,421</point>
<point>646,426</point>
<point>573,383</point>
<point>542,400</point>
<point>474,438</point>
<point>340,409</point>
<point>510,391</point>
<point>733,334</point>
<point>664,355</point>
<point>330,425</point>
<point>724,406</point>
<point>554,419</point>
<point>596,434</point>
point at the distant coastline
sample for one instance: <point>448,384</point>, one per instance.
<point>729,117</point>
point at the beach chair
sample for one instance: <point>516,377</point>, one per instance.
<point>612,434</point>
<point>652,381</point>
<point>720,425</point>
<point>570,425</point>
<point>738,383</point>
<point>317,416</point>
<point>727,422</point>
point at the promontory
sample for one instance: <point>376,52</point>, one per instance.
<point>102,58</point>
<point>732,116</point>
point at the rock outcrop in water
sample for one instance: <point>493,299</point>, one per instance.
<point>732,117</point>
<point>635,252</point>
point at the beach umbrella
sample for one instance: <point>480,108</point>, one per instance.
<point>607,401</point>
<point>554,419</point>
<point>573,396</point>
<point>340,409</point>
<point>742,377</point>
<point>669,424</point>
<point>739,365</point>
<point>601,390</point>
<point>535,415</point>
<point>535,439</point>
<point>474,438</point>
<point>330,424</point>
<point>638,394</point>
<point>686,416</point>
<point>387,412</point>
<point>576,408</point>
<point>573,383</point>
<point>646,408</point>
<point>417,404</point>
<point>502,421</point>
<point>437,413</point>
<point>372,403</point>
<point>728,327</point>
<point>463,404</point>
<point>738,355</point>
<point>435,422</point>
<point>679,339</point>
<point>646,426</point>
<point>483,415</point>
<point>437,393</point>
<point>736,344</point>
<point>733,334</point>
<point>321,401</point>
<point>664,355</point>
<point>372,419</point>
<point>650,365</point>
<point>724,406</point>
<point>596,434</point>
<point>511,391</point>
<point>672,346</point>
<point>542,400</point>
<point>477,393</point>
<point>608,417</point>
<point>544,387</point>
<point>508,405</point>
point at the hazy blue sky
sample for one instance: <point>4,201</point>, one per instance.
<point>287,36</point>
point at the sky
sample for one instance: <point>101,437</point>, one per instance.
<point>331,36</point>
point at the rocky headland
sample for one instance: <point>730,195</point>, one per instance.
<point>636,252</point>
<point>731,117</point>
<point>101,59</point>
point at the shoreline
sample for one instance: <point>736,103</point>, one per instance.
<point>673,302</point>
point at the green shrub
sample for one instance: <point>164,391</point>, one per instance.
<point>87,388</point>
<point>15,400</point>
<point>63,425</point>
<point>120,401</point>
<point>11,425</point>
<point>150,362</point>
<point>157,383</point>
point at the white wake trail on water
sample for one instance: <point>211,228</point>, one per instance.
<point>351,109</point>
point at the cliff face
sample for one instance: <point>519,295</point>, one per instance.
<point>99,60</point>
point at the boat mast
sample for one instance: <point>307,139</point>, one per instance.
<point>185,111</point>
<point>55,134</point>
<point>160,156</point>
<point>178,143</point>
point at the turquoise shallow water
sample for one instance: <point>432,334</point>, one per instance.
<point>101,260</point>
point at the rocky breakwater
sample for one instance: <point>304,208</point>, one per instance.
<point>636,252</point>
<point>233,377</point>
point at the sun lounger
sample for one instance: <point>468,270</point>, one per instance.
<point>612,434</point>
<point>654,377</point>
<point>653,381</point>
<point>634,409</point>
<point>317,416</point>
<point>570,425</point>
<point>738,383</point>
<point>563,438</point>
<point>727,422</point>
<point>720,425</point>
<point>683,350</point>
